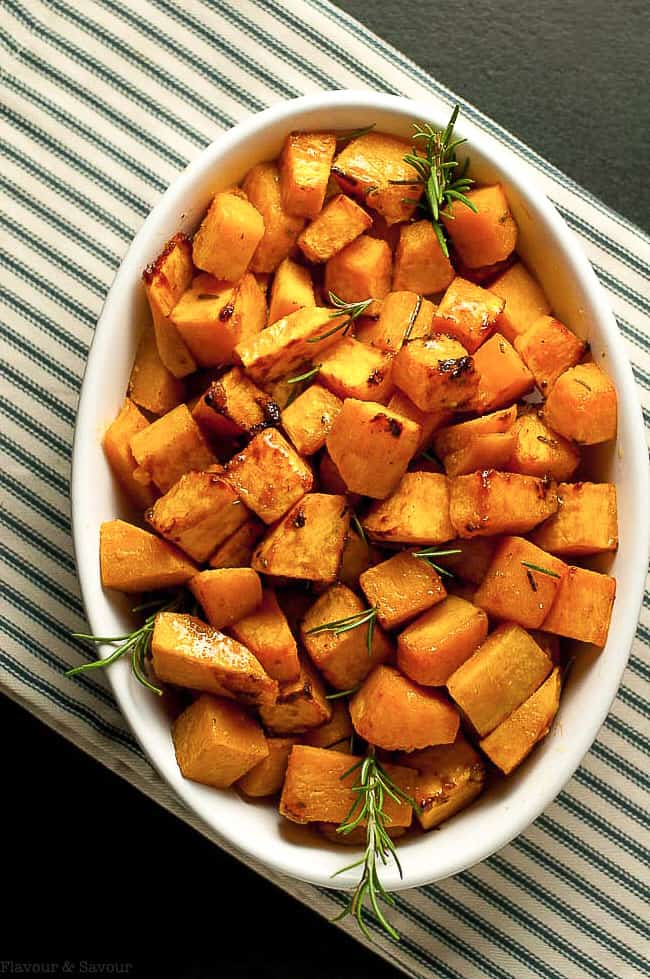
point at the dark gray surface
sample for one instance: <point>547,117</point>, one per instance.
<point>568,77</point>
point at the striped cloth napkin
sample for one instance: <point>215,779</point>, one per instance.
<point>103,104</point>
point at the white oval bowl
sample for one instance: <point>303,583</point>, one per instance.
<point>555,256</point>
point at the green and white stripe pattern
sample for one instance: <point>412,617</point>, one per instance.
<point>103,104</point>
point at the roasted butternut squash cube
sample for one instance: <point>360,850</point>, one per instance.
<point>430,649</point>
<point>335,732</point>
<point>582,405</point>
<point>401,588</point>
<point>416,513</point>
<point>267,777</point>
<point>351,369</point>
<point>132,560</point>
<point>165,281</point>
<point>189,653</point>
<point>305,165</point>
<point>239,406</point>
<point>585,522</point>
<point>216,742</point>
<point>358,556</point>
<point>429,421</point>
<point>539,451</point>
<point>491,502</point>
<point>330,479</point>
<point>228,236</point>
<point>521,583</point>
<point>480,452</point>
<point>227,594</point>
<point>308,420</point>
<point>300,706</point>
<point>486,235</point>
<point>292,289</point>
<point>286,344</point>
<point>420,263</point>
<point>403,315</point>
<point>308,542</point>
<point>548,348</point>
<point>338,224</point>
<point>117,449</point>
<point>503,376</point>
<point>237,550</point>
<point>392,712</point>
<point>583,606</point>
<point>471,564</point>
<point>317,788</point>
<point>504,671</point>
<point>371,447</point>
<point>449,777</point>
<point>269,475</point>
<point>515,738</point>
<point>151,385</point>
<point>361,270</point>
<point>452,438</point>
<point>170,447</point>
<point>468,313</point>
<point>524,298</point>
<point>198,513</point>
<point>368,166</point>
<point>436,373</point>
<point>265,631</point>
<point>344,659</point>
<point>281,229</point>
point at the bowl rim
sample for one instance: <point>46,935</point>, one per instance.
<point>506,161</point>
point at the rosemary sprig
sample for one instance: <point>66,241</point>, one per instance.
<point>351,311</point>
<point>342,693</point>
<point>536,567</point>
<point>373,786</point>
<point>356,523</point>
<point>339,626</point>
<point>428,553</point>
<point>137,642</point>
<point>355,134</point>
<point>306,376</point>
<point>412,318</point>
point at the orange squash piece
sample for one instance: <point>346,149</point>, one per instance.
<point>430,649</point>
<point>420,264</point>
<point>305,164</point>
<point>429,421</point>
<point>583,606</point>
<point>449,778</point>
<point>468,313</point>
<point>281,229</point>
<point>503,376</point>
<point>165,281</point>
<point>338,224</point>
<point>308,420</point>
<point>308,542</point>
<point>484,236</point>
<point>401,588</point>
<point>267,777</point>
<point>586,521</point>
<point>515,738</point>
<point>151,385</point>
<point>269,475</point>
<point>170,447</point>
<point>227,594</point>
<point>416,513</point>
<point>292,289</point>
<point>337,731</point>
<point>228,236</point>
<point>367,167</point>
<point>481,452</point>
<point>116,445</point>
<point>582,405</point>
<point>403,315</point>
<point>265,631</point>
<point>237,550</point>
<point>237,406</point>
<point>300,706</point>
<point>351,369</point>
<point>524,298</point>
<point>288,343</point>
<point>491,502</point>
<point>453,438</point>
<point>133,560</point>
<point>361,270</point>
<point>539,451</point>
<point>514,589</point>
<point>436,373</point>
<point>548,348</point>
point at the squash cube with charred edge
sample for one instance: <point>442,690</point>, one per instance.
<point>468,313</point>
<point>480,452</point>
<point>239,406</point>
<point>504,671</point>
<point>151,385</point>
<point>450,776</point>
<point>371,447</point>
<point>362,270</point>
<point>228,236</point>
<point>351,369</point>
<point>491,502</point>
<point>548,348</point>
<point>265,631</point>
<point>338,224</point>
<point>165,281</point>
<point>429,421</point>
<point>502,376</point>
<point>189,653</point>
<point>214,316</point>
<point>267,777</point>
<point>368,168</point>
<point>513,590</point>
<point>281,229</point>
<point>289,343</point>
<point>319,787</point>
<point>453,438</point>
<point>473,561</point>
<point>216,742</point>
<point>133,560</point>
<point>416,513</point>
<point>344,660</point>
<point>335,732</point>
<point>485,236</point>
<point>401,588</point>
<point>305,165</point>
<point>117,449</point>
<point>169,447</point>
<point>308,542</point>
<point>430,649</point>
<point>583,606</point>
<point>420,263</point>
<point>515,738</point>
<point>300,706</point>
<point>582,405</point>
<point>308,420</point>
<point>586,521</point>
<point>198,513</point>
<point>227,594</point>
<point>436,373</point>
<point>539,451</point>
<point>524,298</point>
<point>403,314</point>
<point>237,550</point>
<point>292,289</point>
<point>394,713</point>
<point>269,475</point>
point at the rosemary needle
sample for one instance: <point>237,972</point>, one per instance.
<point>306,376</point>
<point>339,626</point>
<point>351,311</point>
<point>536,567</point>
<point>342,693</point>
<point>428,553</point>
<point>354,134</point>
